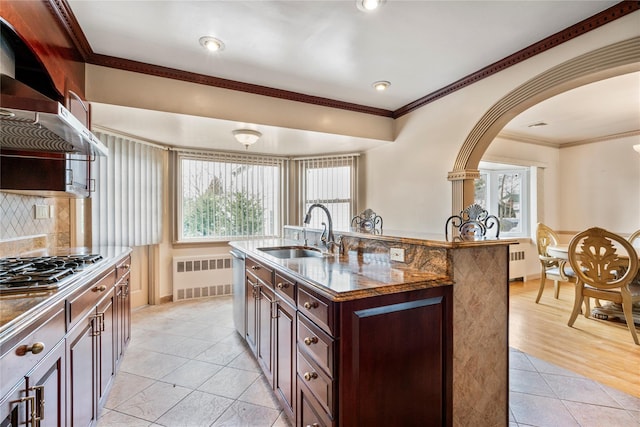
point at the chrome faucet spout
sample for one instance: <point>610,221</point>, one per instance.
<point>307,220</point>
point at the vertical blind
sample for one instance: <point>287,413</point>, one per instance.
<point>127,204</point>
<point>228,195</point>
<point>331,181</point>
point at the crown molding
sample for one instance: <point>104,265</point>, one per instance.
<point>552,144</point>
<point>62,11</point>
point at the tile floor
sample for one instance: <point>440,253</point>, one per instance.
<point>180,371</point>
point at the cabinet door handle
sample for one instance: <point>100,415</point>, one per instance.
<point>311,340</point>
<point>282,285</point>
<point>310,376</point>
<point>39,402</point>
<point>309,305</point>
<point>35,348</point>
<point>31,401</point>
<point>313,425</point>
<point>100,288</point>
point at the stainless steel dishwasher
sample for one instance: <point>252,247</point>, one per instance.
<point>239,303</point>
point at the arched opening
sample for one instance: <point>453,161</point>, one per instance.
<point>609,61</point>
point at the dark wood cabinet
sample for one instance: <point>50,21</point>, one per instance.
<point>284,354</point>
<point>101,315</point>
<point>15,405</point>
<point>81,384</point>
<point>379,360</point>
<point>123,316</point>
<point>265,305</point>
<point>46,383</point>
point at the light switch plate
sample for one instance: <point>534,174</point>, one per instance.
<point>396,254</point>
<point>41,211</point>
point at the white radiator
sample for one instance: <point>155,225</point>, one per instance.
<point>201,276</point>
<point>517,262</point>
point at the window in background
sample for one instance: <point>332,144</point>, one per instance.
<point>223,196</point>
<point>331,181</point>
<point>503,191</point>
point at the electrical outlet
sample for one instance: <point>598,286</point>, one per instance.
<point>396,254</point>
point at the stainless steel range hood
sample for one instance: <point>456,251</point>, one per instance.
<point>31,121</point>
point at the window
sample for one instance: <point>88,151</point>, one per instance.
<point>503,191</point>
<point>224,196</point>
<point>331,181</point>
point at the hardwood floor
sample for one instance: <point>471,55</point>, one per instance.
<point>598,349</point>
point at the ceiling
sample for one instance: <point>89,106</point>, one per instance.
<point>331,49</point>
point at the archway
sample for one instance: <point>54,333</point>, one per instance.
<point>609,61</point>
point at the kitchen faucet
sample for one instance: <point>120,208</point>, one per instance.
<point>330,239</point>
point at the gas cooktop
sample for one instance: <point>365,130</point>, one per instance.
<point>43,273</point>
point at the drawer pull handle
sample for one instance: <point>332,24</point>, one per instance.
<point>309,305</point>
<point>310,376</point>
<point>313,425</point>
<point>282,285</point>
<point>311,340</point>
<point>255,267</point>
<point>35,348</point>
<point>100,288</point>
<point>126,266</point>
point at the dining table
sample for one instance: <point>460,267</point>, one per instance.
<point>610,310</point>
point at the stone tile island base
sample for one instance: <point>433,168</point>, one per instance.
<point>479,270</point>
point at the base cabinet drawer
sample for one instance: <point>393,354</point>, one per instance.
<point>319,383</point>
<point>309,411</point>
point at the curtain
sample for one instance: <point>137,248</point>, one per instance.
<point>128,202</point>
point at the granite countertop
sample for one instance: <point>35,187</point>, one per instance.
<point>18,309</point>
<point>345,277</point>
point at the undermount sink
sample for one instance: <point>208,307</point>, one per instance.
<point>292,252</point>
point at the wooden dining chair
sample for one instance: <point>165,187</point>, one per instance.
<point>605,265</point>
<point>556,269</point>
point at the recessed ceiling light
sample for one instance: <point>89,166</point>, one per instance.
<point>381,85</point>
<point>369,5</point>
<point>211,43</point>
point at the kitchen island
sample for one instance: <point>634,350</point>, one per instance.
<point>421,341</point>
<point>60,348</point>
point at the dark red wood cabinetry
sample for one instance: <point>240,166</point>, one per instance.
<point>378,360</point>
<point>58,368</point>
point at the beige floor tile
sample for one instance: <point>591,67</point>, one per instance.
<point>246,361</point>
<point>229,382</point>
<point>242,414</point>
<point>150,364</point>
<point>223,352</point>
<point>598,416</point>
<point>540,411</point>
<point>153,401</point>
<point>117,419</point>
<point>126,386</point>
<point>283,421</point>
<point>581,390</point>
<point>198,409</point>
<point>187,347</point>
<point>192,374</point>
<point>260,393</point>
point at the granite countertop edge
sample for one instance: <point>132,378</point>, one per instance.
<point>40,302</point>
<point>411,280</point>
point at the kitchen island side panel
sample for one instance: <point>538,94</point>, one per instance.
<point>480,336</point>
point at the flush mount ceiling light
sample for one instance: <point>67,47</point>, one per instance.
<point>211,43</point>
<point>381,85</point>
<point>637,147</point>
<point>369,5</point>
<point>246,137</point>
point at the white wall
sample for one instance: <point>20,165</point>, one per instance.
<point>600,186</point>
<point>407,180</point>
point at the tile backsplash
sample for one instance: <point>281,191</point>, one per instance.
<point>17,221</point>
